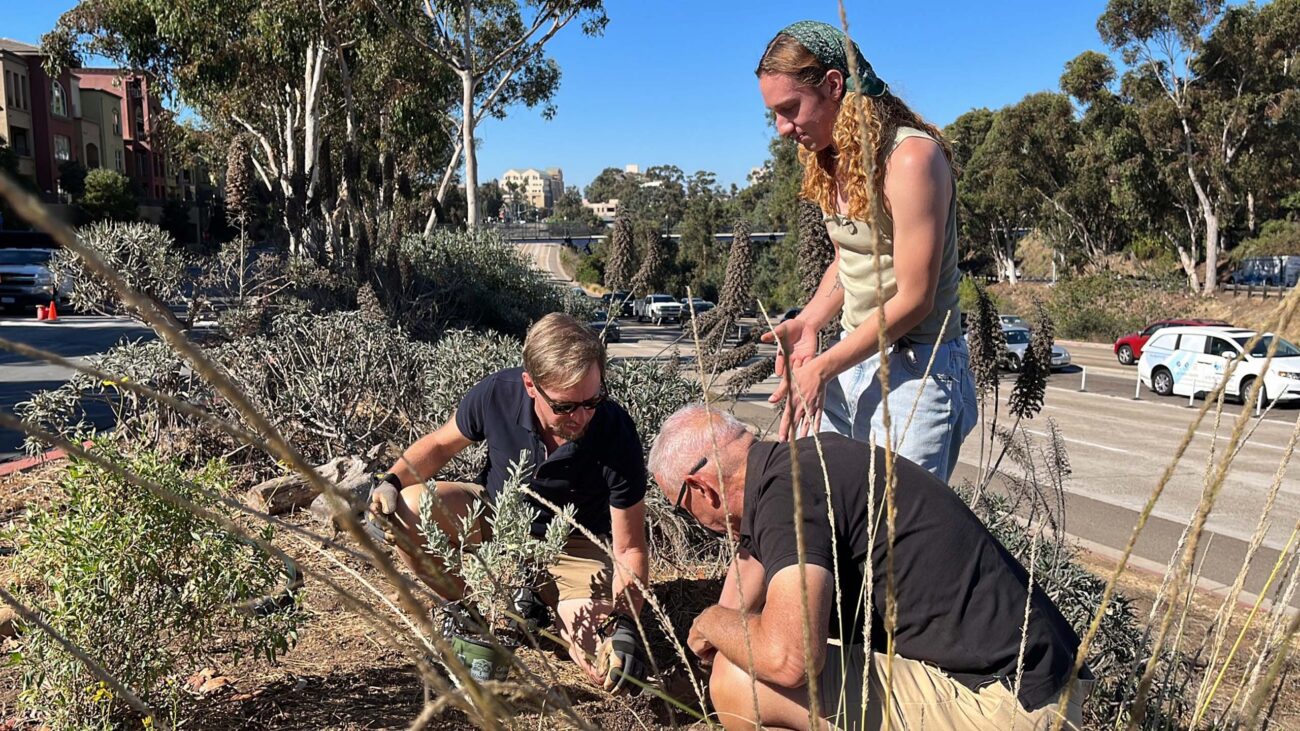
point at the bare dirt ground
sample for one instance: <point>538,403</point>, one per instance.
<point>342,675</point>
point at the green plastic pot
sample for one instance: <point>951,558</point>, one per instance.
<point>483,661</point>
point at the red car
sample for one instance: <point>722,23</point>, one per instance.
<point>1129,347</point>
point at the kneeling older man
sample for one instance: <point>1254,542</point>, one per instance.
<point>960,595</point>
<point>585,452</point>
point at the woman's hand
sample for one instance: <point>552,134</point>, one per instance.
<point>797,338</point>
<point>803,410</point>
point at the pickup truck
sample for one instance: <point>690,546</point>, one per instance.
<point>26,279</point>
<point>658,308</point>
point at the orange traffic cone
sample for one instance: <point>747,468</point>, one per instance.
<point>40,312</point>
<point>52,312</point>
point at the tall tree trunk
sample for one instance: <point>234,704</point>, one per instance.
<point>1187,258</point>
<point>471,160</point>
<point>1251,223</point>
<point>468,82</point>
<point>436,209</point>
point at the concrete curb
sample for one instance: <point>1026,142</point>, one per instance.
<point>26,463</point>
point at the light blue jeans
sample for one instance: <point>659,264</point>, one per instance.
<point>945,406</point>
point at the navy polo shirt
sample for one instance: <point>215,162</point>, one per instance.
<point>604,468</point>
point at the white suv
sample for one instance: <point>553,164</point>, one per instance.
<point>1180,361</point>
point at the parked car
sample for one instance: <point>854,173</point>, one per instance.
<point>1128,348</point>
<point>697,305</point>
<point>1181,361</point>
<point>790,314</point>
<point>1014,321</point>
<point>26,279</point>
<point>1018,342</point>
<point>606,327</point>
<point>658,308</point>
<point>620,301</point>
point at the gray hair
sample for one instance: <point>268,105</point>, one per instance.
<point>686,436</point>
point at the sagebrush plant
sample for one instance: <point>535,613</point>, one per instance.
<point>140,585</point>
<point>145,255</point>
<point>459,279</point>
<point>511,558</point>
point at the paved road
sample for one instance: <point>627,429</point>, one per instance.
<point>546,257</point>
<point>73,337</point>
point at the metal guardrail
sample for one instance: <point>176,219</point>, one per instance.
<point>1251,290</point>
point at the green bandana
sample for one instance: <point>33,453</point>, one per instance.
<point>826,42</point>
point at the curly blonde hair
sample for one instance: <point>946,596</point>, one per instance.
<point>884,115</point>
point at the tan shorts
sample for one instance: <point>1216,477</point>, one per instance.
<point>584,570</point>
<point>924,697</point>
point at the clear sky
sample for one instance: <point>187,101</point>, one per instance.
<point>672,81</point>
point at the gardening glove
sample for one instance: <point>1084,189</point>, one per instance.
<point>385,494</point>
<point>528,604</point>
<point>619,656</point>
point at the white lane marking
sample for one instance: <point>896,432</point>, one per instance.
<point>1085,443</point>
<point>1175,429</point>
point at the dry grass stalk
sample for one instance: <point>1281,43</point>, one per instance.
<point>733,548</point>
<point>1204,508</point>
<point>882,345</point>
<point>1223,617</point>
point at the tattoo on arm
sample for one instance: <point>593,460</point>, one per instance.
<point>834,288</point>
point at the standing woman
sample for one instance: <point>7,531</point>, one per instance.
<point>805,81</point>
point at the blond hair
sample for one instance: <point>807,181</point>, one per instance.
<point>883,115</point>
<point>559,350</point>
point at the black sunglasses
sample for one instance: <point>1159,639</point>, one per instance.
<point>568,407</point>
<point>681,494</point>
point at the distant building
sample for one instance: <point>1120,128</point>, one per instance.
<point>539,188</point>
<point>606,211</point>
<point>41,114</point>
<point>135,117</point>
<point>632,169</point>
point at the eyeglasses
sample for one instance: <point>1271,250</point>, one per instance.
<point>568,407</point>
<point>678,508</point>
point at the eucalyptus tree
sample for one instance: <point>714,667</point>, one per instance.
<point>496,50</point>
<point>317,85</point>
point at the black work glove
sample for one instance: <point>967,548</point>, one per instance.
<point>528,604</point>
<point>619,656</point>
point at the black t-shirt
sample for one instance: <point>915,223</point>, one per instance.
<point>604,468</point>
<point>960,593</point>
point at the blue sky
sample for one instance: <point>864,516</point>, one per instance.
<point>671,81</point>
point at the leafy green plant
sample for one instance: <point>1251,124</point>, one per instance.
<point>107,196</point>
<point>491,570</point>
<point>1102,306</point>
<point>140,585</point>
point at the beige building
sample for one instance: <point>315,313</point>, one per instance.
<point>101,130</point>
<point>16,111</point>
<point>606,211</point>
<point>539,188</point>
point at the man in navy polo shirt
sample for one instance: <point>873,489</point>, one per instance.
<point>585,452</point>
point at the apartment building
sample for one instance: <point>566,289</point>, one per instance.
<point>539,188</point>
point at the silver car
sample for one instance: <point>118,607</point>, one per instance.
<point>26,279</point>
<point>1018,343</point>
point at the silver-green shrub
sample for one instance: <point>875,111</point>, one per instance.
<point>145,256</point>
<point>491,570</point>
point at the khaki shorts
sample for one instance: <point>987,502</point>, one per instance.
<point>584,570</point>
<point>924,697</point>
